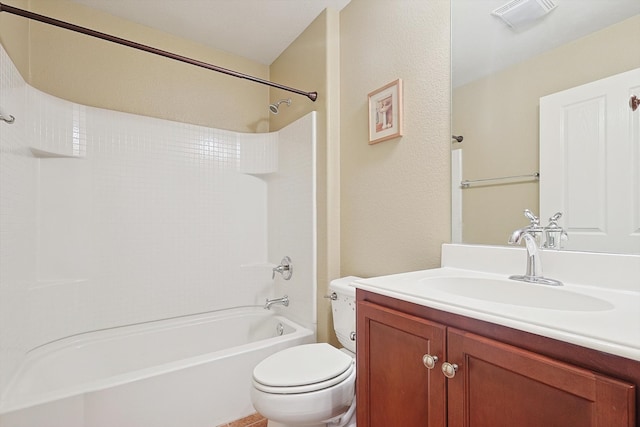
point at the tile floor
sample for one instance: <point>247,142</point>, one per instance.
<point>255,420</point>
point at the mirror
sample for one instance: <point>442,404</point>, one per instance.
<point>499,74</point>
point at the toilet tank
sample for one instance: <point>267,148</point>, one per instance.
<point>343,307</point>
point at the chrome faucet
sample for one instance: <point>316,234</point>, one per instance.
<point>534,264</point>
<point>534,269</point>
<point>283,301</point>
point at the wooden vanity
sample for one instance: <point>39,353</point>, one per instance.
<point>500,376</point>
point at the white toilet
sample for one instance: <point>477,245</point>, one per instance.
<point>313,384</point>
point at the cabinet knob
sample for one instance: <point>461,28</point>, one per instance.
<point>449,369</point>
<point>429,361</point>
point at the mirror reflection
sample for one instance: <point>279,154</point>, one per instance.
<point>501,67</point>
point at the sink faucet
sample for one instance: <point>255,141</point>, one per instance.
<point>534,264</point>
<point>534,268</point>
<point>283,301</point>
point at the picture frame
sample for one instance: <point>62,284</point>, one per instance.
<point>385,112</point>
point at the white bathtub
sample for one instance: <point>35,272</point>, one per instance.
<point>194,371</point>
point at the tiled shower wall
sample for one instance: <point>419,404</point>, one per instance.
<point>295,230</point>
<point>18,222</point>
<point>109,218</point>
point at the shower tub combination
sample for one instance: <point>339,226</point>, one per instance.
<point>193,371</point>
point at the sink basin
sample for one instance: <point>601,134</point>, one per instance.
<point>517,293</point>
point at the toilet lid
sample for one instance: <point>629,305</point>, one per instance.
<point>302,365</point>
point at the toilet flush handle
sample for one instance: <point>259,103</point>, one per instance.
<point>352,336</point>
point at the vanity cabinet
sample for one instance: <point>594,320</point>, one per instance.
<point>394,388</point>
<point>499,376</point>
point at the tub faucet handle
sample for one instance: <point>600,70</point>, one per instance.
<point>285,268</point>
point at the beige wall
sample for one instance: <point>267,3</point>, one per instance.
<point>98,73</point>
<point>14,36</point>
<point>395,195</point>
<point>311,63</point>
<point>498,117</point>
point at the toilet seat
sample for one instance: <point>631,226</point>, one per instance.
<point>303,369</point>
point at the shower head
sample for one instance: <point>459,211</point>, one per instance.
<point>274,107</point>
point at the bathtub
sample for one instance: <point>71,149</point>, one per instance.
<point>193,371</point>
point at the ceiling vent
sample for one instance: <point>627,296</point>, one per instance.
<point>519,14</point>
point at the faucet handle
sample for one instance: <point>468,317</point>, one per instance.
<point>535,221</point>
<point>554,219</point>
<point>285,268</point>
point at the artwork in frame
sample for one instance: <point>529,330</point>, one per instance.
<point>385,112</point>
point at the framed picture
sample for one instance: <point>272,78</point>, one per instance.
<point>385,112</point>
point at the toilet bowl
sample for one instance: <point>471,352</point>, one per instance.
<point>312,384</point>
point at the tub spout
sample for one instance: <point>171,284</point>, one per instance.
<point>283,301</point>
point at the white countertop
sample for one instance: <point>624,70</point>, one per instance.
<point>609,321</point>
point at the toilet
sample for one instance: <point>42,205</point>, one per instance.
<point>313,385</point>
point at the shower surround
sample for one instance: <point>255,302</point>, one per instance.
<point>109,219</point>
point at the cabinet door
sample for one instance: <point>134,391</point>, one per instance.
<point>498,385</point>
<point>394,387</point>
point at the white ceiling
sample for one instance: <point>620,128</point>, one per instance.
<point>261,29</point>
<point>256,29</point>
<point>483,43</point>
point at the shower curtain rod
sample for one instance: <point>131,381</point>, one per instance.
<point>62,24</point>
